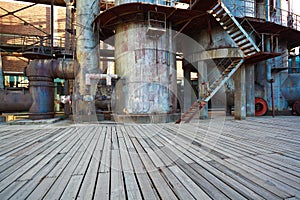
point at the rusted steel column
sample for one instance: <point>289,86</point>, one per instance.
<point>203,86</point>
<point>87,52</point>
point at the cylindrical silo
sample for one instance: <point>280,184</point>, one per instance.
<point>145,62</point>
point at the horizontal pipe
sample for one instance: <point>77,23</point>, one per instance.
<point>108,77</point>
<point>15,100</point>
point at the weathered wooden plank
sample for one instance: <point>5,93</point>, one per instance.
<point>250,181</point>
<point>42,189</point>
<point>191,186</point>
<point>144,181</point>
<point>160,184</point>
<point>281,160</point>
<point>57,188</point>
<point>275,172</point>
<point>103,186</point>
<point>278,184</point>
<point>219,183</point>
<point>72,188</point>
<point>74,147</point>
<point>205,184</point>
<point>178,187</point>
<point>32,161</point>
<point>83,165</point>
<point>12,189</point>
<point>48,158</point>
<point>90,178</point>
<point>105,162</point>
<point>117,187</point>
<point>132,189</point>
<point>32,183</point>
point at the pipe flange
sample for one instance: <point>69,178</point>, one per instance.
<point>261,106</point>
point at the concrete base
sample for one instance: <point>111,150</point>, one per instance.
<point>146,119</point>
<point>34,122</point>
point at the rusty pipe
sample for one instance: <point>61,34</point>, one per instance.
<point>15,100</point>
<point>41,74</point>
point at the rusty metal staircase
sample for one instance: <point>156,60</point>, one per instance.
<point>242,39</point>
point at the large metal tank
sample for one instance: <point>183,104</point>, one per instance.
<point>144,61</point>
<point>290,88</point>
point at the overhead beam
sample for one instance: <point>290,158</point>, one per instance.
<point>47,2</point>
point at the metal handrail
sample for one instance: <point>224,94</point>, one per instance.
<point>236,11</point>
<point>278,16</point>
<point>29,42</point>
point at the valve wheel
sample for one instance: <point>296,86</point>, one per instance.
<point>261,106</point>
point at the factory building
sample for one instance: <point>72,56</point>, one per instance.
<point>165,60</point>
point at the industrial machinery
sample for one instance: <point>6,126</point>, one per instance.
<point>250,43</point>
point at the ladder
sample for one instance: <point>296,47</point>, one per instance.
<point>221,13</point>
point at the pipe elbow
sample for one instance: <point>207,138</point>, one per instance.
<point>64,68</point>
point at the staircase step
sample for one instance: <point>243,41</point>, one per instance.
<point>228,69</point>
<point>243,43</point>
<point>235,62</point>
<point>223,17</point>
<point>233,30</point>
<point>226,23</point>
<point>248,52</point>
<point>247,46</point>
<point>217,6</point>
<point>238,34</point>
<point>218,10</point>
<point>239,39</point>
<point>230,26</point>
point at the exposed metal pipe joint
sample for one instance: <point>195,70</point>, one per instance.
<point>108,77</point>
<point>41,74</point>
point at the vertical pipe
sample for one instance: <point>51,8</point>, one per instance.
<point>1,74</point>
<point>173,72</point>
<point>41,87</point>
<point>272,95</point>
<point>202,82</point>
<point>52,25</point>
<point>267,10</point>
<point>69,22</point>
<point>87,52</point>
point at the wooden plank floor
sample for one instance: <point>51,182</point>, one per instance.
<point>258,158</point>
